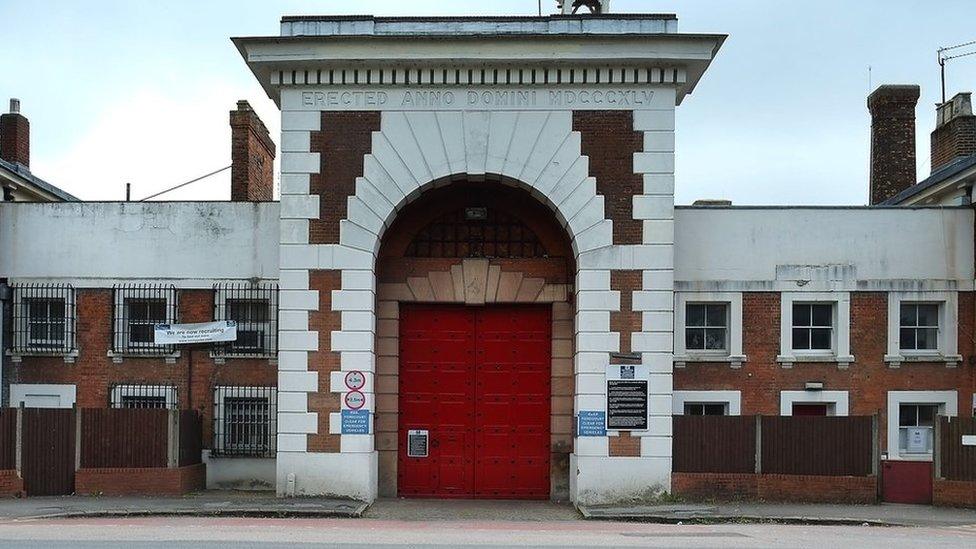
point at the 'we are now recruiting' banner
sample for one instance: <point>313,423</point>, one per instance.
<point>203,332</point>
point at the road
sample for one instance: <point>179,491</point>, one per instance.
<point>171,532</point>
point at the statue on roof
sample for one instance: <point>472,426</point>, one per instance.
<point>595,6</point>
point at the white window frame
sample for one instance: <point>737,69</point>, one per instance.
<point>947,401</point>
<point>731,399</point>
<point>220,310</point>
<point>120,391</point>
<point>840,352</point>
<point>733,354</point>
<point>22,392</point>
<point>118,314</point>
<point>221,393</point>
<point>948,348</point>
<point>838,402</point>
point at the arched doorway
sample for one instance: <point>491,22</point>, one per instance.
<point>474,346</point>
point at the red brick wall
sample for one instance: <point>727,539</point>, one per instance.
<point>954,493</point>
<point>11,485</point>
<point>324,361</point>
<point>343,141</point>
<point>160,481</point>
<point>805,488</point>
<point>94,373</point>
<point>892,140</point>
<point>954,140</point>
<point>626,321</point>
<point>624,445</point>
<point>868,380</point>
<point>609,141</point>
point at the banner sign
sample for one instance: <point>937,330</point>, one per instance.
<point>204,332</point>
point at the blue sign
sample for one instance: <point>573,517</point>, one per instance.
<point>355,422</point>
<point>592,424</point>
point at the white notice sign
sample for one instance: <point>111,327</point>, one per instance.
<point>204,332</point>
<point>918,440</point>
<point>969,440</point>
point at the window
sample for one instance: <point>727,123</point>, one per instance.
<point>812,326</point>
<point>138,309</point>
<point>916,426</point>
<point>706,326</point>
<point>44,319</point>
<point>255,310</point>
<point>919,327</point>
<point>706,409</point>
<point>245,421</point>
<point>143,396</point>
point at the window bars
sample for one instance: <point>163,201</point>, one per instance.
<point>245,421</point>
<point>44,319</point>
<point>255,309</point>
<point>143,396</point>
<point>138,308</point>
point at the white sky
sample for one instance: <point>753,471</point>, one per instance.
<point>139,90</point>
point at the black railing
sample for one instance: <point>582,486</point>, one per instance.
<point>44,319</point>
<point>138,308</point>
<point>255,309</point>
<point>245,421</point>
<point>143,396</point>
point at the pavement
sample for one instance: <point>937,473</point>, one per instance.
<point>203,504</point>
<point>266,505</point>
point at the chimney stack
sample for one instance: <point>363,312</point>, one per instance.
<point>955,131</point>
<point>15,136</point>
<point>252,156</point>
<point>892,140</point>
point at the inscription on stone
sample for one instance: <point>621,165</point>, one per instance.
<point>477,98</point>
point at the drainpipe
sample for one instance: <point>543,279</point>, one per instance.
<point>4,317</point>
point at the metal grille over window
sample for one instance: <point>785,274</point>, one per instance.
<point>143,396</point>
<point>919,327</point>
<point>255,309</point>
<point>245,421</point>
<point>813,326</point>
<point>138,308</point>
<point>706,326</point>
<point>476,232</point>
<point>44,319</point>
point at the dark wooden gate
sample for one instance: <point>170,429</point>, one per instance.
<point>48,451</point>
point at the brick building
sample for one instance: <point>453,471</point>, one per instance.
<point>476,233</point>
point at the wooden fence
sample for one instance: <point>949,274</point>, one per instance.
<point>955,460</point>
<point>47,446</point>
<point>825,446</point>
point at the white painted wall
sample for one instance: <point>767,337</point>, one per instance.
<point>831,247</point>
<point>240,473</point>
<point>96,243</point>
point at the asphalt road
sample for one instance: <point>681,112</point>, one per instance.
<point>170,533</point>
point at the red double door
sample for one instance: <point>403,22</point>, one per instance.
<point>475,381</point>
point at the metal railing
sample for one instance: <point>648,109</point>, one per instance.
<point>245,421</point>
<point>44,319</point>
<point>143,396</point>
<point>137,310</point>
<point>255,309</point>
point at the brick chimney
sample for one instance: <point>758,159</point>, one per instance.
<point>252,156</point>
<point>15,136</point>
<point>955,131</point>
<point>892,140</point>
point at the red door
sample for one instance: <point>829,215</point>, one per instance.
<point>906,482</point>
<point>809,409</point>
<point>477,381</point>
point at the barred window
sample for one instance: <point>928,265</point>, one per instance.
<point>44,319</point>
<point>476,232</point>
<point>143,396</point>
<point>245,421</point>
<point>255,310</point>
<point>138,309</point>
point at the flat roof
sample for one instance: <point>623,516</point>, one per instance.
<point>367,25</point>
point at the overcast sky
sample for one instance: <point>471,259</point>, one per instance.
<point>139,90</point>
